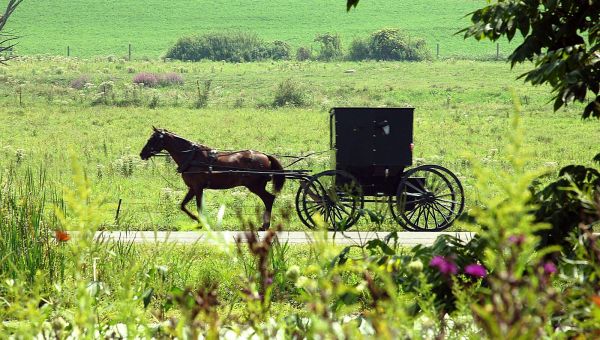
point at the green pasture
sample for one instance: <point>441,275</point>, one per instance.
<point>463,111</point>
<point>101,28</point>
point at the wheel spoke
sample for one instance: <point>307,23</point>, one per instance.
<point>435,220</point>
<point>445,207</point>
<point>447,201</point>
<point>443,215</point>
<point>414,187</point>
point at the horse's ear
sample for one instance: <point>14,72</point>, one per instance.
<point>155,129</point>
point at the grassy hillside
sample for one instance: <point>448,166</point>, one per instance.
<point>106,27</point>
<point>462,108</point>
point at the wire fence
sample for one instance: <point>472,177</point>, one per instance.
<point>439,51</point>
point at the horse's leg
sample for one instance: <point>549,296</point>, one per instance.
<point>268,199</point>
<point>190,194</point>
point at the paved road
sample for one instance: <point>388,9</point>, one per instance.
<point>292,237</point>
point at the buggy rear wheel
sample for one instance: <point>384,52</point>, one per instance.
<point>429,198</point>
<point>334,195</point>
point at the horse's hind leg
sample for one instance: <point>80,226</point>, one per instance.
<point>190,194</point>
<point>268,200</point>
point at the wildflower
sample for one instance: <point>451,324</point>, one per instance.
<point>476,270</point>
<point>444,265</point>
<point>62,236</point>
<point>549,268</point>
<point>517,239</point>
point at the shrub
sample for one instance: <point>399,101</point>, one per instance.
<point>221,46</point>
<point>303,53</point>
<point>330,46</point>
<point>148,79</point>
<point>280,50</point>
<point>202,94</point>
<point>359,49</point>
<point>290,93</point>
<point>154,79</point>
<point>393,44</point>
<point>79,83</point>
<point>170,78</point>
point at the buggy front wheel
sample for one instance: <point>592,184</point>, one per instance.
<point>428,198</point>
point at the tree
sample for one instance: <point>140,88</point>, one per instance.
<point>554,35</point>
<point>554,38</point>
<point>7,41</point>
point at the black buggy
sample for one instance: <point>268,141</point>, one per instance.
<point>371,148</point>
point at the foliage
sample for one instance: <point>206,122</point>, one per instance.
<point>27,241</point>
<point>233,46</point>
<point>149,79</point>
<point>280,50</point>
<point>563,204</point>
<point>7,41</point>
<point>202,94</point>
<point>290,93</point>
<point>303,53</point>
<point>359,50</point>
<point>554,35</point>
<point>392,44</point>
<point>330,46</point>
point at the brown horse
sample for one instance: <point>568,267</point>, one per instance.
<point>204,168</point>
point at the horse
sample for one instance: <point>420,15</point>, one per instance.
<point>202,168</point>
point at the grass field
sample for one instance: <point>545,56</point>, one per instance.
<point>462,111</point>
<point>101,28</point>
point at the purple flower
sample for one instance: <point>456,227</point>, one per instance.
<point>476,270</point>
<point>148,79</point>
<point>268,281</point>
<point>444,265</point>
<point>517,239</point>
<point>549,268</point>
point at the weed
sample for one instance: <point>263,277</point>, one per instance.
<point>290,93</point>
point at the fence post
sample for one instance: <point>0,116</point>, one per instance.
<point>129,52</point>
<point>68,51</point>
<point>497,51</point>
<point>118,210</point>
<point>438,50</point>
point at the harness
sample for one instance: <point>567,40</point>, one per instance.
<point>211,155</point>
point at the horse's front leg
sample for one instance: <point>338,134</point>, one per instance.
<point>186,199</point>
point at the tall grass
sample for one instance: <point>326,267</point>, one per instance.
<point>27,243</point>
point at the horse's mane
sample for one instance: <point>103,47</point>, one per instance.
<point>173,134</point>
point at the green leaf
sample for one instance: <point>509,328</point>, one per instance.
<point>147,296</point>
<point>377,243</point>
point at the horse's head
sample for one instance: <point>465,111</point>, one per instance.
<point>155,144</point>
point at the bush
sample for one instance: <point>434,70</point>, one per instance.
<point>359,50</point>
<point>280,50</point>
<point>330,46</point>
<point>393,44</point>
<point>156,79</point>
<point>148,79</point>
<point>170,78</point>
<point>79,83</point>
<point>225,46</point>
<point>303,53</point>
<point>290,93</point>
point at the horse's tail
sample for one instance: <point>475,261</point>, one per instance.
<point>278,180</point>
